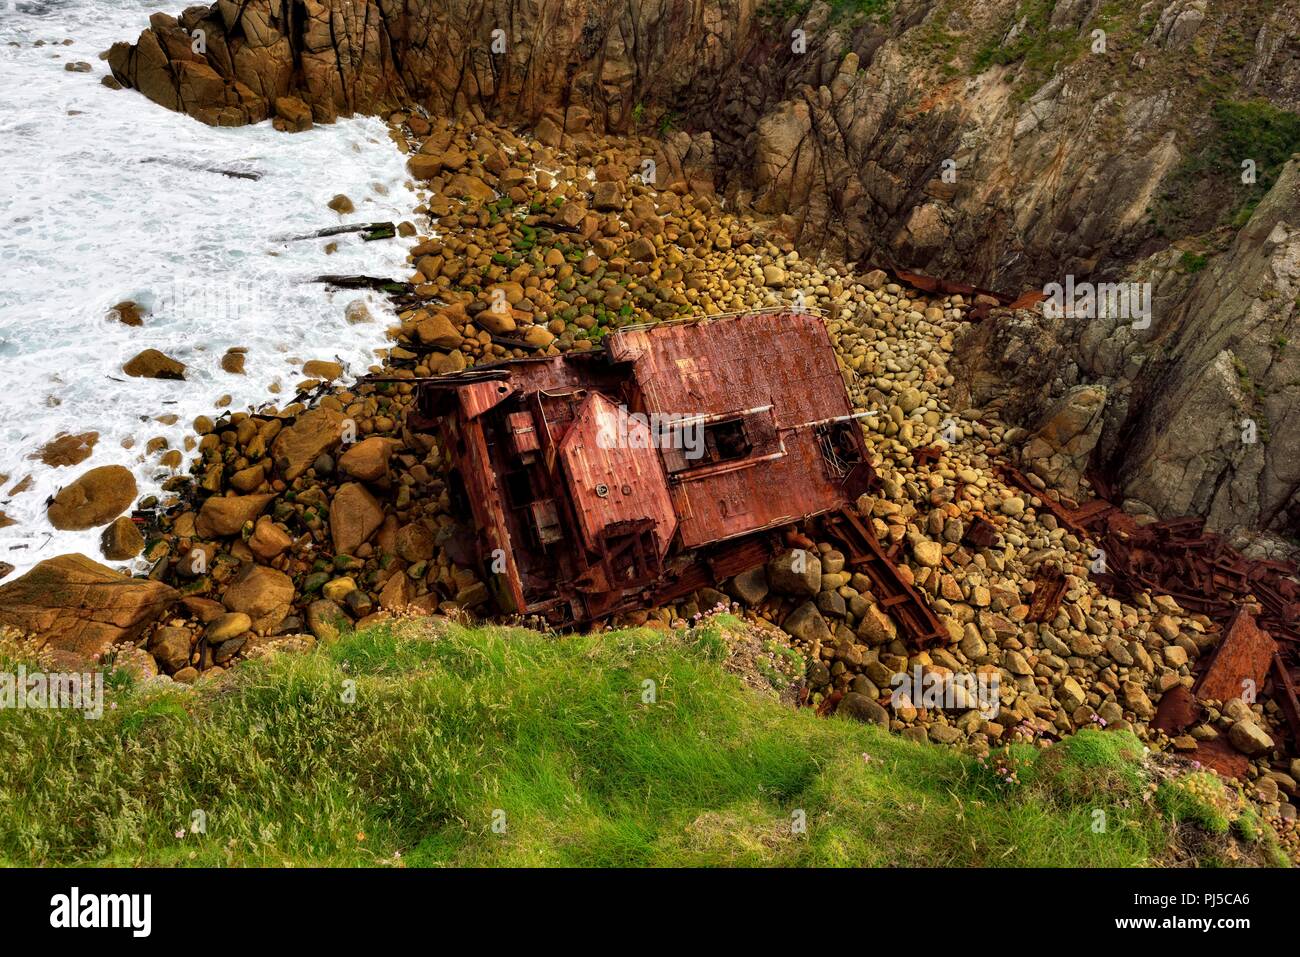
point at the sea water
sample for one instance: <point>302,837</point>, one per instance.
<point>106,196</point>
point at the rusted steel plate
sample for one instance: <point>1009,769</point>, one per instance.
<point>1239,664</point>
<point>1049,588</point>
<point>981,533</point>
<point>1218,755</point>
<point>613,480</point>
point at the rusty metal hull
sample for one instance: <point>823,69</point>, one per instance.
<point>603,481</point>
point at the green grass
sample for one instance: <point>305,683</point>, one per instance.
<point>406,744</point>
<point>1209,179</point>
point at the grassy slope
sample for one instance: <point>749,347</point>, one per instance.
<point>447,729</point>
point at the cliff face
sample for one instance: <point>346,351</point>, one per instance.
<point>1007,143</point>
<point>592,59</point>
<point>1200,413</point>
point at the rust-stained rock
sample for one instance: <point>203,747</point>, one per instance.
<point>73,604</point>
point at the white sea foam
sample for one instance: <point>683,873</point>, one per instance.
<point>107,196</point>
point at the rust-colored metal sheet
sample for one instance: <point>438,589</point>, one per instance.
<point>614,473</point>
<point>1240,662</point>
<point>1049,587</point>
<point>779,367</point>
<point>1178,710</point>
<point>1218,755</point>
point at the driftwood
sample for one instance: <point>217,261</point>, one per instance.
<point>391,286</point>
<point>232,173</point>
<point>371,231</point>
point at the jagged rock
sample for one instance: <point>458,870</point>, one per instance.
<point>876,627</point>
<point>397,593</point>
<point>1060,449</point>
<point>93,499</point>
<point>292,115</point>
<point>73,604</point>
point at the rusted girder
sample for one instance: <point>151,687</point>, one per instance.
<point>863,552</point>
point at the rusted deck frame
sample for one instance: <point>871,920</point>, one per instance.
<point>1205,575</point>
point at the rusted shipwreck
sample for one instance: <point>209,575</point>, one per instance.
<point>676,456</point>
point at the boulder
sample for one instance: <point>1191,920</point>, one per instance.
<point>263,594</point>
<point>95,498</point>
<point>1248,738</point>
<point>797,571</point>
<point>368,459</point>
<point>326,620</point>
<point>170,647</point>
<point>121,540</point>
<point>807,624</point>
<point>152,364</point>
<point>861,708</point>
<point>414,543</point>
<point>268,539</point>
<point>73,604</point>
<point>322,369</point>
<point>223,515</point>
<point>314,432</point>
<point>751,586</point>
<point>355,515</point>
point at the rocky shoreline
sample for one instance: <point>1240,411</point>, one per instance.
<point>300,521</point>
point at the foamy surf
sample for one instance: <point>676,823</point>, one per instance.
<point>109,197</point>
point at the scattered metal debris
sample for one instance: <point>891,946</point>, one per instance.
<point>1257,602</point>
